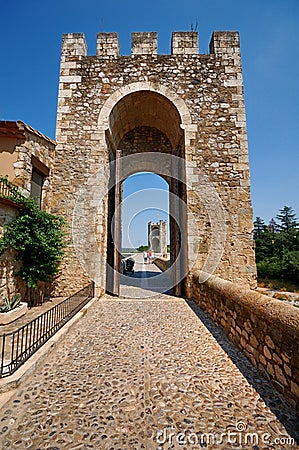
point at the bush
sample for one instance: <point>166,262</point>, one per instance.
<point>39,240</point>
<point>277,247</point>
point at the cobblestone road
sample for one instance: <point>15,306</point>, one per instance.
<point>145,374</point>
<point>146,282</point>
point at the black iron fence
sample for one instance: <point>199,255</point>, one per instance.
<point>16,347</point>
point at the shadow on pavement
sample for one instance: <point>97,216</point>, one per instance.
<point>142,274</point>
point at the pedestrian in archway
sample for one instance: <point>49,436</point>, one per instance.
<point>145,256</point>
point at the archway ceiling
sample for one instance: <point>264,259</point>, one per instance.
<point>145,108</point>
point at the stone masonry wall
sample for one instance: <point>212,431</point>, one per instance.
<point>42,149</point>
<point>266,330</point>
<point>23,148</point>
<point>162,263</point>
<point>9,285</point>
<point>148,138</point>
<point>206,90</point>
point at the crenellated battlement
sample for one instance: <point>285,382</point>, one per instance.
<point>74,44</point>
<point>146,43</point>
<point>107,44</point>
<point>184,43</point>
<point>225,42</point>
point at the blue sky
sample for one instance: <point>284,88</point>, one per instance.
<point>31,34</point>
<point>140,207</point>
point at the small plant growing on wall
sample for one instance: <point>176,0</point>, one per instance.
<point>39,241</point>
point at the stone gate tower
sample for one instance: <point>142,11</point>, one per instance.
<point>185,105</point>
<point>157,237</point>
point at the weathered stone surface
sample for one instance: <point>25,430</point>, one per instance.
<point>253,341</point>
<point>267,352</point>
<point>134,369</point>
<point>9,285</point>
<point>272,344</point>
<point>269,342</point>
<point>27,148</point>
<point>157,237</point>
<point>186,104</point>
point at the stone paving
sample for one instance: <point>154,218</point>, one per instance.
<point>147,281</point>
<point>146,374</point>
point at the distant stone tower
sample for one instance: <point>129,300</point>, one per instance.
<point>185,104</point>
<point>157,237</point>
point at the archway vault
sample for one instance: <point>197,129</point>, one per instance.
<point>145,104</point>
<point>142,109</point>
<point>143,118</point>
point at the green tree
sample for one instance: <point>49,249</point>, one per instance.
<point>287,218</point>
<point>259,228</point>
<point>39,240</point>
<point>272,227</point>
<point>264,246</point>
<point>142,248</point>
<point>264,240</point>
<point>277,247</point>
<point>286,242</point>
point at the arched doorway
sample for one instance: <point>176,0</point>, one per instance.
<point>145,220</point>
<point>145,123</point>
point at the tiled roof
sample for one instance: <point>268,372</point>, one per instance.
<point>16,129</point>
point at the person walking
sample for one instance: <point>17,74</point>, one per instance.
<point>145,257</point>
<point>152,256</point>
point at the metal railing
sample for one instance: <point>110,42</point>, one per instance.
<point>17,346</point>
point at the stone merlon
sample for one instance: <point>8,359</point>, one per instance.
<point>146,43</point>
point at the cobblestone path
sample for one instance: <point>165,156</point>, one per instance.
<point>145,374</point>
<point>147,281</point>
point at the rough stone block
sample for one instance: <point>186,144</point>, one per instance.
<point>184,43</point>
<point>107,44</point>
<point>74,44</point>
<point>145,43</point>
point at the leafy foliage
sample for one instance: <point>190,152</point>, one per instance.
<point>142,248</point>
<point>287,218</point>
<point>259,228</point>
<point>38,238</point>
<point>277,247</point>
<point>10,304</point>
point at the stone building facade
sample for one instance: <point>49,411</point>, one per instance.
<point>27,161</point>
<point>27,155</point>
<point>186,107</point>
